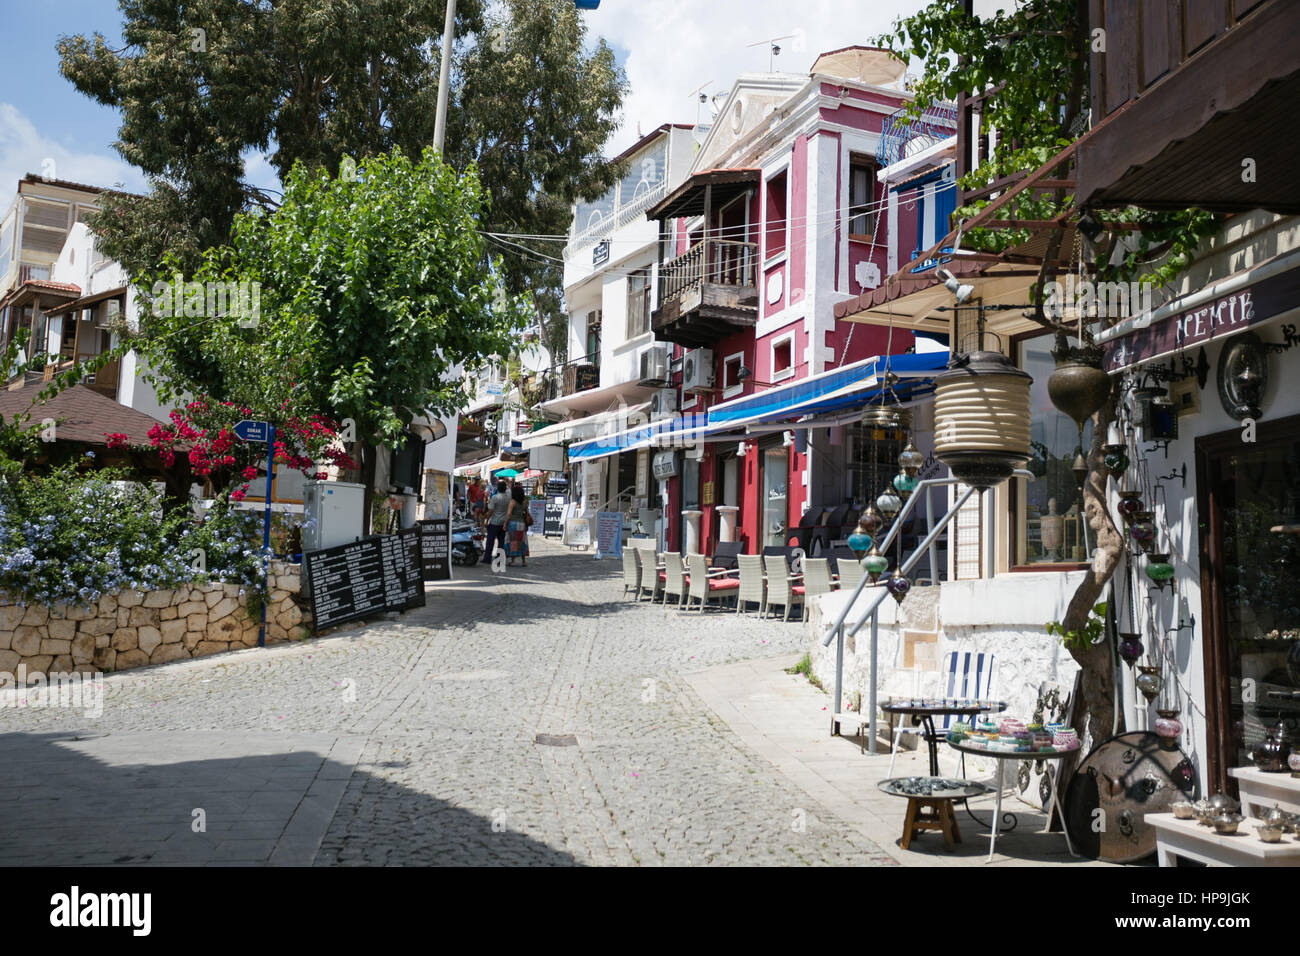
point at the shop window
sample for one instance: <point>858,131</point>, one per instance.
<point>690,483</point>
<point>1046,512</point>
<point>775,214</point>
<point>593,337</point>
<point>775,503</point>
<point>782,358</point>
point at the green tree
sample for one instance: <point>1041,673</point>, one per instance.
<point>374,291</point>
<point>202,82</point>
<point>1034,59</point>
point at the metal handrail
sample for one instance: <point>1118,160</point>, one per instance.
<point>871,612</point>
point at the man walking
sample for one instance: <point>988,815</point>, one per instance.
<point>477,501</point>
<point>497,508</point>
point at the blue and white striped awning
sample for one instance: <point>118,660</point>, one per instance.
<point>670,432</point>
<point>839,389</point>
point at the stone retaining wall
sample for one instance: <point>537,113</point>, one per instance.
<point>133,628</point>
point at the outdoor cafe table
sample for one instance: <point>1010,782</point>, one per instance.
<point>1002,756</point>
<point>923,712</point>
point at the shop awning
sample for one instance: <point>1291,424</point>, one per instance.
<point>580,429</point>
<point>837,390</point>
<point>481,468</point>
<point>678,431</point>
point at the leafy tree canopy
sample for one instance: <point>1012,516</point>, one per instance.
<point>200,83</point>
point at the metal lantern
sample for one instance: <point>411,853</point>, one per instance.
<point>1159,570</point>
<point>1148,681</point>
<point>1079,386</point>
<point>1143,530</point>
<point>981,418</point>
<point>889,504</point>
<point>910,460</point>
<point>1130,504</point>
<point>1130,648</point>
<point>859,542</point>
<point>1168,727</point>
<point>1116,460</point>
<point>898,586</point>
<point>904,483</point>
<point>870,520</point>
<point>875,564</point>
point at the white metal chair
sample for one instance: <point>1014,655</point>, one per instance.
<point>782,586</point>
<point>631,574</point>
<point>753,586</point>
<point>816,580</point>
<point>674,578</point>
<point>705,584</point>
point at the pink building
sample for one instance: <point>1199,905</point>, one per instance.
<point>782,218</point>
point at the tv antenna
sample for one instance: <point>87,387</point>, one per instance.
<point>700,98</point>
<point>774,50</point>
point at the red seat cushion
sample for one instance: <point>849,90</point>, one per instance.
<point>797,589</point>
<point>723,584</point>
<point>662,576</point>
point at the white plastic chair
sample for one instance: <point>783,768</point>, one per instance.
<point>753,586</point>
<point>631,574</point>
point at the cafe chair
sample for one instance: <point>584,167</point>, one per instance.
<point>783,588</point>
<point>705,584</point>
<point>753,586</point>
<point>674,578</point>
<point>724,558</point>
<point>816,580</point>
<point>651,578</point>
<point>631,573</point>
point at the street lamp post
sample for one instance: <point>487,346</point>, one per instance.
<point>444,71</point>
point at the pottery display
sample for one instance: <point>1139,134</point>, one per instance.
<point>1272,755</point>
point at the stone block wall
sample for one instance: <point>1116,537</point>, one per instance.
<point>133,628</point>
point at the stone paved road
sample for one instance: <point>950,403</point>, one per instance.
<point>413,742</point>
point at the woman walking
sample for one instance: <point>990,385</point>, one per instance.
<point>517,521</point>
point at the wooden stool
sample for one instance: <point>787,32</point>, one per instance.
<point>940,817</point>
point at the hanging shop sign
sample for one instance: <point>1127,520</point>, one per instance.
<point>1223,316</point>
<point>665,465</point>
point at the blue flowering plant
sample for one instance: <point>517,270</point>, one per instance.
<point>71,535</point>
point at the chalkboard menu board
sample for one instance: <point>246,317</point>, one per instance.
<point>435,549</point>
<point>355,580</point>
<point>553,519</point>
<point>412,567</point>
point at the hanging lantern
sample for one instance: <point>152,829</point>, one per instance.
<point>1148,681</point>
<point>859,542</point>
<point>904,484</point>
<point>1130,504</point>
<point>1130,648</point>
<point>1143,530</point>
<point>898,586</point>
<point>981,418</point>
<point>1080,469</point>
<point>1159,570</point>
<point>870,520</point>
<point>910,460</point>
<point>1079,386</point>
<point>1116,460</point>
<point>889,504</point>
<point>875,564</point>
<point>1168,727</point>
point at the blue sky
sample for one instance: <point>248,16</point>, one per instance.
<point>669,48</point>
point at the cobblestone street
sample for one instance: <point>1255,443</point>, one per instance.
<point>416,741</point>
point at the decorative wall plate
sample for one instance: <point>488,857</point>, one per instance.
<point>1113,789</point>
<point>1243,376</point>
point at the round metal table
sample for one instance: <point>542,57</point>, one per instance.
<point>924,710</point>
<point>1002,756</point>
<point>934,794</point>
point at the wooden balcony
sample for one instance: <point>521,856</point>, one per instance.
<point>707,292</point>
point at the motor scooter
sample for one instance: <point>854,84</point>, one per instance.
<point>466,544</point>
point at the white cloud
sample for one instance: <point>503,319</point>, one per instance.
<point>23,150</point>
<point>676,46</point>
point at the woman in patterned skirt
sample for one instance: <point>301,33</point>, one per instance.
<point>517,523</point>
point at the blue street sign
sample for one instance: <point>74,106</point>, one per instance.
<point>587,4</point>
<point>249,430</point>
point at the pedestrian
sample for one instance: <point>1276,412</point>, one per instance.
<point>477,501</point>
<point>517,521</point>
<point>498,507</point>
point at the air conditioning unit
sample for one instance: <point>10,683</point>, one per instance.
<point>663,403</point>
<point>654,367</point>
<point>697,371</point>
